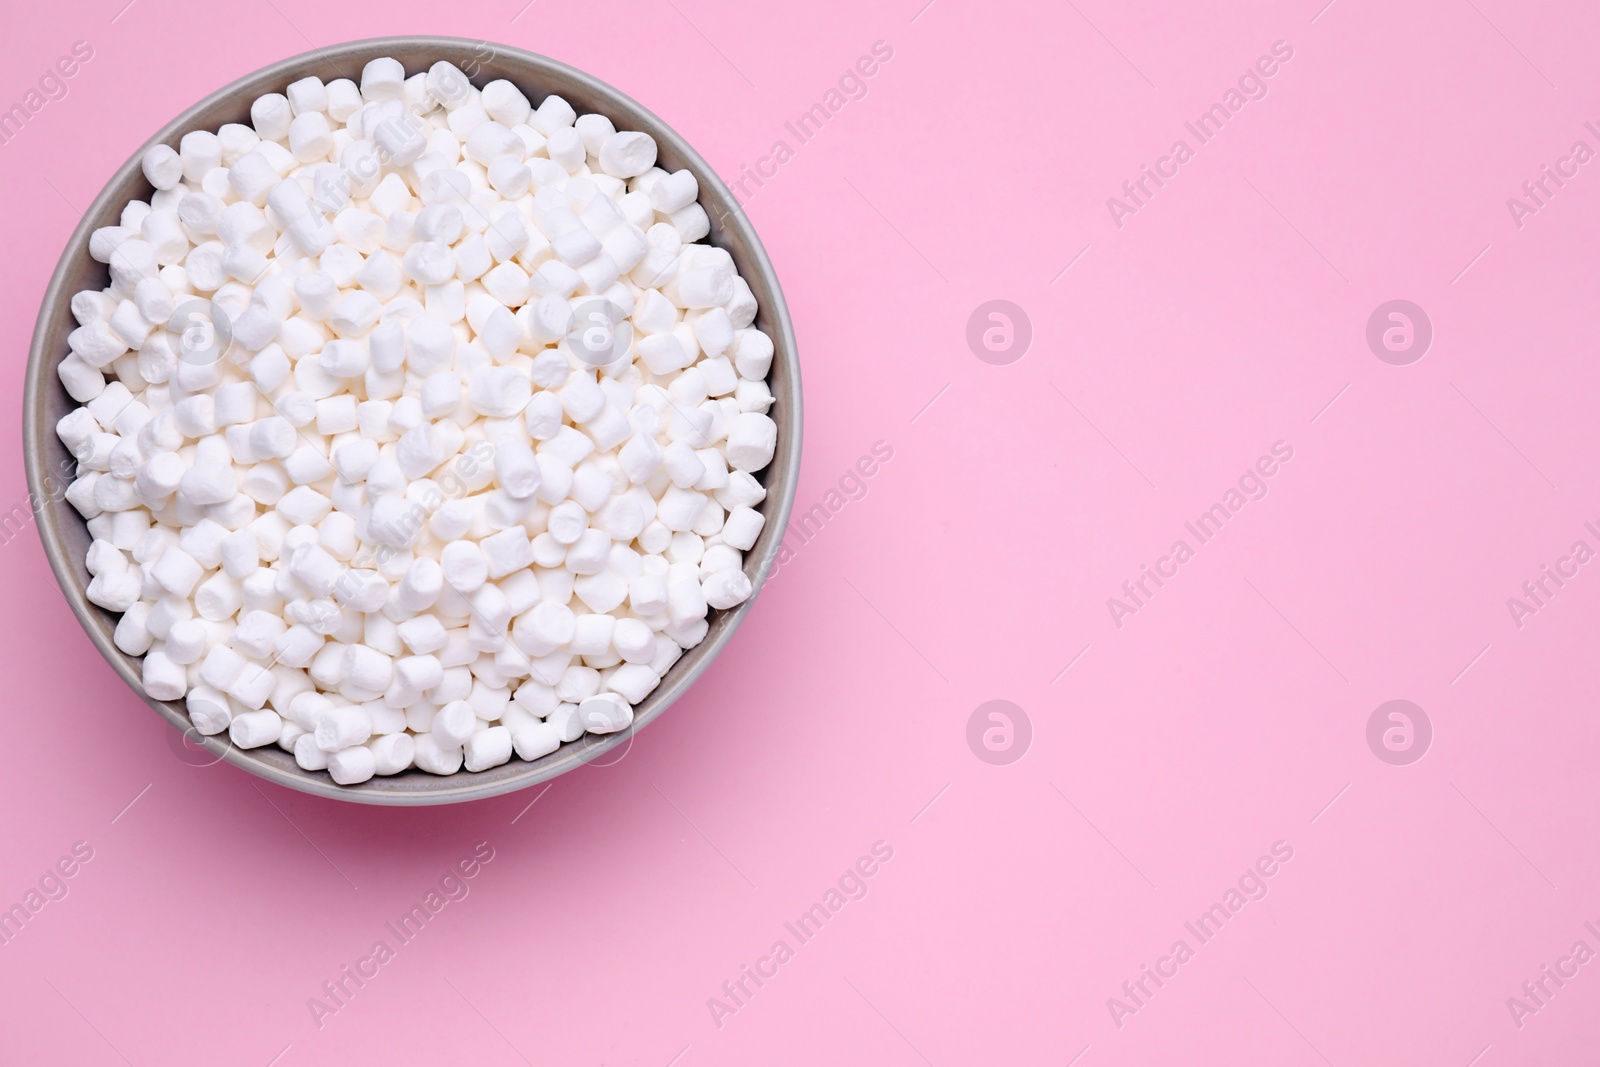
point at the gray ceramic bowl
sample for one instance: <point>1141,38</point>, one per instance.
<point>66,537</point>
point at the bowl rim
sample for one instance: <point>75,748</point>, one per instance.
<point>536,72</point>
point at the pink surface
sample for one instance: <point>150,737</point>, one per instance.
<point>1224,719</point>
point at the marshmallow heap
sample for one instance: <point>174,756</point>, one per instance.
<point>416,427</point>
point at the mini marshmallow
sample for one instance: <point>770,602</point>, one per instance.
<point>423,633</point>
<point>633,640</point>
<point>430,342</point>
<point>382,79</point>
<point>253,729</point>
<point>354,314</point>
<point>421,586</point>
<point>505,103</point>
<point>367,667</point>
<point>605,713</point>
<point>567,522</point>
<point>726,589</point>
<point>464,566</point>
<point>340,727</point>
<point>177,572</point>
<point>742,527</point>
<point>310,138</point>
<point>434,757</point>
<point>752,439</point>
<point>209,710</point>
<point>544,629</point>
<point>703,287</point>
<point>454,724</point>
<point>507,552</point>
<point>674,192</point>
<point>627,154</point>
<point>392,752</point>
<point>351,766</point>
<point>307,94</point>
<point>534,741</point>
<point>162,167</point>
<point>499,392</point>
<point>200,152</point>
<point>270,115</point>
<point>487,748</point>
<point>429,263</point>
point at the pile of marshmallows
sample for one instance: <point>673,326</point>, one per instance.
<point>416,427</point>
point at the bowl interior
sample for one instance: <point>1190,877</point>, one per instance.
<point>66,537</point>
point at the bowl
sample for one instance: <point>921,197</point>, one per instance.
<point>66,536</point>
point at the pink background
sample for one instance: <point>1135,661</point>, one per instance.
<point>1228,714</point>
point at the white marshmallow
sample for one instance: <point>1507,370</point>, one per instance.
<point>209,709</point>
<point>726,589</point>
<point>752,440</point>
<point>382,79</point>
<point>253,729</point>
<point>342,726</point>
<point>536,740</point>
<point>605,713</point>
<point>436,758</point>
<point>351,766</point>
<point>628,154</point>
<point>454,724</point>
<point>392,752</point>
<point>488,748</point>
<point>464,566</point>
<point>162,167</point>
